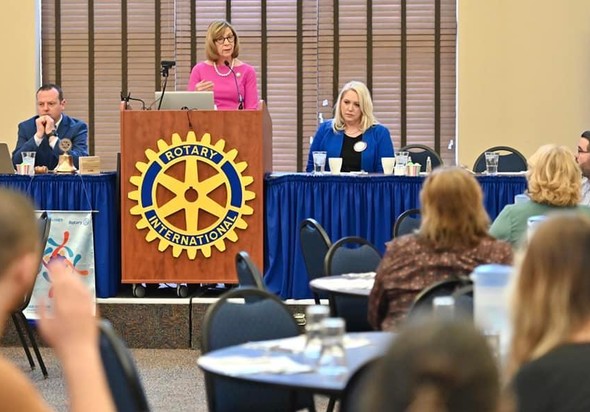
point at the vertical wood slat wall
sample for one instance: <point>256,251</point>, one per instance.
<point>303,52</point>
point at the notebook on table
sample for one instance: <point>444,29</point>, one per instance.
<point>6,166</point>
<point>174,100</point>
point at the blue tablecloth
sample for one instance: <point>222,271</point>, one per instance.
<point>364,205</point>
<point>83,192</point>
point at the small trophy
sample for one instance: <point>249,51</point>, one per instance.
<point>66,162</point>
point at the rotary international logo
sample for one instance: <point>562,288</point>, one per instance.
<point>191,195</point>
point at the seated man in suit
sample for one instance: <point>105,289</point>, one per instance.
<point>42,133</point>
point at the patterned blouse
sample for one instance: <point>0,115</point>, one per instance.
<point>411,263</point>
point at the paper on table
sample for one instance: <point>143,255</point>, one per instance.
<point>345,283</point>
<point>245,365</point>
<point>367,275</point>
<point>297,343</point>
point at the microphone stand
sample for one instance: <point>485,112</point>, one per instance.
<point>240,97</point>
<point>165,74</point>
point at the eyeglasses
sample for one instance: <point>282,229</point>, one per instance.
<point>221,40</point>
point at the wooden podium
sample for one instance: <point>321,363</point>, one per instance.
<point>186,193</point>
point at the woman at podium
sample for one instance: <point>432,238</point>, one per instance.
<point>354,134</point>
<point>232,81</point>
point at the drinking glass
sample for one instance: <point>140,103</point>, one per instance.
<point>492,162</point>
<point>335,164</point>
<point>401,158</point>
<point>319,161</point>
<point>332,360</point>
<point>314,315</point>
<point>29,160</point>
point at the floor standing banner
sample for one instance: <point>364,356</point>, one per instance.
<point>71,238</point>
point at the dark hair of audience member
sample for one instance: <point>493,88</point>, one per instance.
<point>436,366</point>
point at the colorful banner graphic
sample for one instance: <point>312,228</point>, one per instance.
<point>70,238</point>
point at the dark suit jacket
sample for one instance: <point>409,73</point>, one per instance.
<point>73,129</point>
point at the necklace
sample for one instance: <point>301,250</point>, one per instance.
<point>231,67</point>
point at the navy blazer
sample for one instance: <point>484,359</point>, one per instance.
<point>377,138</point>
<point>74,129</point>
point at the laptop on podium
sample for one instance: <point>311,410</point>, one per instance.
<point>174,100</point>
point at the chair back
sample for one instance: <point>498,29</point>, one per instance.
<point>510,160</point>
<point>420,153</point>
<point>248,274</point>
<point>422,304</point>
<point>406,223</point>
<point>354,395</point>
<point>227,322</point>
<point>122,376</point>
<point>351,254</point>
<point>463,297</point>
<point>315,243</point>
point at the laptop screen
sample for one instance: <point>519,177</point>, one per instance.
<point>174,100</point>
<point>6,166</point>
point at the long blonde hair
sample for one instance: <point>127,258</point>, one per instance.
<point>365,103</point>
<point>554,177</point>
<point>452,209</point>
<point>551,292</point>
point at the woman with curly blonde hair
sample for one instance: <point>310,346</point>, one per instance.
<point>452,240</point>
<point>550,347</point>
<point>554,183</point>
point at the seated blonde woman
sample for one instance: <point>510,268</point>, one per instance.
<point>452,240</point>
<point>554,183</point>
<point>549,354</point>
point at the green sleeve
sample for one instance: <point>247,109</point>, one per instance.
<point>502,227</point>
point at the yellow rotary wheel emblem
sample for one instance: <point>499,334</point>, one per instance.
<point>191,195</point>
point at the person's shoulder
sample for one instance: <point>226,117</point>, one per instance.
<point>73,122</point>
<point>28,122</point>
<point>493,244</point>
<point>326,125</point>
<point>411,240</point>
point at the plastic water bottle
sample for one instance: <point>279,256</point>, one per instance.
<point>428,165</point>
<point>490,304</point>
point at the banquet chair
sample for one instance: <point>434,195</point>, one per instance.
<point>420,153</point>
<point>510,160</point>
<point>18,316</point>
<point>406,223</point>
<point>248,273</point>
<point>422,304</point>
<point>121,374</point>
<point>227,322</point>
<point>354,395</point>
<point>351,255</point>
<point>315,243</point>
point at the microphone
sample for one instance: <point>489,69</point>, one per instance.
<point>166,66</point>
<point>240,97</point>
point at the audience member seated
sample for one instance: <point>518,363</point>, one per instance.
<point>436,366</point>
<point>452,240</point>
<point>583,159</point>
<point>42,133</point>
<point>354,134</point>
<point>554,183</point>
<point>70,327</point>
<point>550,348</point>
